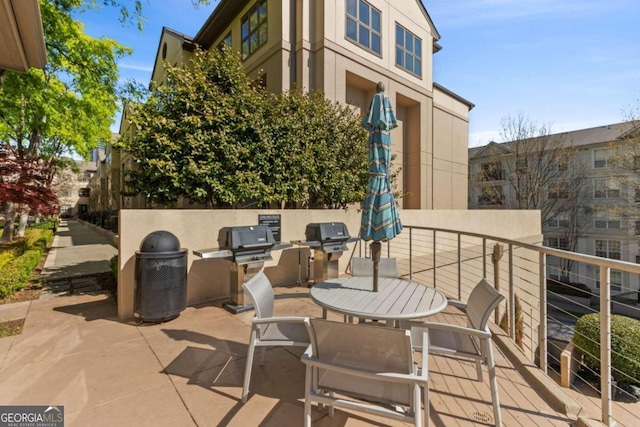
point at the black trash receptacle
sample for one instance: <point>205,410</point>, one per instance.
<point>161,278</point>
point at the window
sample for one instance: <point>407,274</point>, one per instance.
<point>408,51</point>
<point>600,158</point>
<point>558,243</point>
<point>522,167</point>
<point>637,227</point>
<point>84,192</point>
<point>364,25</point>
<point>254,28</point>
<point>491,195</point>
<point>608,249</point>
<point>226,41</point>
<point>557,191</point>
<point>615,277</point>
<point>562,162</point>
<point>605,220</point>
<point>605,188</point>
<point>560,220</point>
<point>492,172</point>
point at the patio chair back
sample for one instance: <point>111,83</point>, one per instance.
<point>364,347</point>
<point>260,291</point>
<point>387,267</point>
<point>483,300</point>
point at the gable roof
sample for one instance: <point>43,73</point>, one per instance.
<point>489,150</point>
<point>434,30</point>
<point>187,43</point>
<point>227,10</point>
<point>577,138</point>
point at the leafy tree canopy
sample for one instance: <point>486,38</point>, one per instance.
<point>212,136</point>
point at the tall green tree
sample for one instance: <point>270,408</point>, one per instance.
<point>68,106</point>
<point>211,135</point>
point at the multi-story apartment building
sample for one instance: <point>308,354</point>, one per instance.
<point>605,222</point>
<point>344,48</point>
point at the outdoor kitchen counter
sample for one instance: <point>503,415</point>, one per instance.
<point>397,299</point>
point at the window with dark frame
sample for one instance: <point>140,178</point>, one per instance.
<point>604,188</point>
<point>522,166</point>
<point>600,157</point>
<point>614,276</point>
<point>558,243</point>
<point>604,220</point>
<point>491,195</point>
<point>254,28</point>
<point>408,51</point>
<point>492,172</point>
<point>364,26</point>
<point>226,41</point>
<point>608,249</point>
<point>558,191</point>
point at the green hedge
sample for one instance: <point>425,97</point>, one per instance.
<point>17,271</point>
<point>625,345</point>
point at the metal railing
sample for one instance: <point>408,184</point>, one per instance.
<point>453,261</point>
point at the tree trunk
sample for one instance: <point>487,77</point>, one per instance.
<point>23,213</point>
<point>9,211</point>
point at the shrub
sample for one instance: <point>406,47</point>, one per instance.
<point>16,272</point>
<point>625,345</point>
<point>504,322</point>
<point>113,263</point>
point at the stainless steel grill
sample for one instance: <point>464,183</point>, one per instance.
<point>247,248</point>
<point>328,240</point>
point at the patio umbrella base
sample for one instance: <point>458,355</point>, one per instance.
<point>234,308</point>
<point>376,249</point>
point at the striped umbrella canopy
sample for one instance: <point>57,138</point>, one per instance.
<point>380,219</point>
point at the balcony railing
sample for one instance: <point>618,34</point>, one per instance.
<point>453,261</point>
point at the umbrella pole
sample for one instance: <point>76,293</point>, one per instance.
<point>376,248</point>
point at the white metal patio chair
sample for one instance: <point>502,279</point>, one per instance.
<point>364,368</point>
<point>387,267</point>
<point>267,330</point>
<point>471,342</point>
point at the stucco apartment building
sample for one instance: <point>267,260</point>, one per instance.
<point>610,202</point>
<point>344,48</point>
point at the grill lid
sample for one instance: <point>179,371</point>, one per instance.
<point>330,237</point>
<point>327,231</point>
<point>252,238</point>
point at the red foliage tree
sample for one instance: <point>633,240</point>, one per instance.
<point>25,181</point>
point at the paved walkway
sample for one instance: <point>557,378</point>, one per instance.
<point>77,251</point>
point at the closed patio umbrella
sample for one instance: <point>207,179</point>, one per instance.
<point>380,219</point>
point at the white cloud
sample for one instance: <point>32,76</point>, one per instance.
<point>136,67</point>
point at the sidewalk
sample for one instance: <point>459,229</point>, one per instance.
<point>76,260</point>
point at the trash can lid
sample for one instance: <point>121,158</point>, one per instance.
<point>160,241</point>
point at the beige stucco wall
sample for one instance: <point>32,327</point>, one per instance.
<point>208,279</point>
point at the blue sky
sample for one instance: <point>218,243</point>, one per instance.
<point>573,64</point>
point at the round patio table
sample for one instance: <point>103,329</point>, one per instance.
<point>396,299</point>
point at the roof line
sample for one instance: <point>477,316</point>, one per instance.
<point>454,95</point>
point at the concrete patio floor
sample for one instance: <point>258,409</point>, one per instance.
<point>74,352</point>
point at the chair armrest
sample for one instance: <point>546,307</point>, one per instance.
<point>457,303</point>
<point>284,319</point>
<point>455,329</point>
<point>393,377</point>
